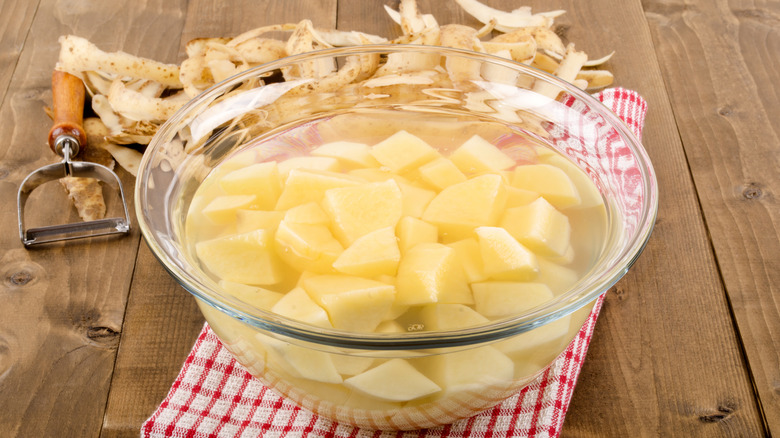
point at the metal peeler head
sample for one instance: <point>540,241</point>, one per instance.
<point>67,146</point>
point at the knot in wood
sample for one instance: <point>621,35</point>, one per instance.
<point>105,336</point>
<point>751,191</point>
<point>20,278</point>
<point>4,173</point>
<point>724,411</point>
<point>725,111</point>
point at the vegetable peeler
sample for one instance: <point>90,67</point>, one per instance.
<point>66,138</point>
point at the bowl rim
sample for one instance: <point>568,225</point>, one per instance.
<point>566,303</point>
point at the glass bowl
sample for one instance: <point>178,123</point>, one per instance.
<point>404,375</point>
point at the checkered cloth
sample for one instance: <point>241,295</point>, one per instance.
<point>214,396</point>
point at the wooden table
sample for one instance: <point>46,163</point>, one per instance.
<point>92,334</point>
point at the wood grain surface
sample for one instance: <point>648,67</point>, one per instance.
<point>93,333</point>
<point>728,121</point>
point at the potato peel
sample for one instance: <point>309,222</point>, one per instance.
<point>133,96</point>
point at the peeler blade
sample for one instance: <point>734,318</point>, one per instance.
<point>77,230</point>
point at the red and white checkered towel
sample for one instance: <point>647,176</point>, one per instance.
<point>214,396</point>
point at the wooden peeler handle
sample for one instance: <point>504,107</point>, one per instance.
<point>68,102</point>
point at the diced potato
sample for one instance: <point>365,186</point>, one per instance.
<point>371,255</point>
<point>395,311</point>
<point>310,213</point>
<point>259,179</point>
<point>470,259</point>
<point>256,296</point>
<point>441,173</point>
<point>402,152</point>
<point>516,197</point>
<point>449,317</point>
<point>460,208</point>
<point>477,155</point>
<point>394,380</point>
<point>349,153</point>
<point>496,299</point>
<point>307,247</point>
<point>306,185</point>
<point>307,363</point>
<point>222,209</point>
<point>297,305</point>
<point>430,273</point>
<point>589,193</point>
<point>250,220</point>
<point>358,210</point>
<point>553,334</point>
<point>566,258</point>
<point>242,258</point>
<point>415,199</point>
<point>468,369</point>
<point>353,303</point>
<point>558,278</point>
<point>372,174</point>
<point>412,231</point>
<point>503,257</point>
<point>351,365</point>
<point>313,163</point>
<point>549,181</point>
<point>540,227</point>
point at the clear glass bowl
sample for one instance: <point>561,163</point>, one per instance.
<point>438,93</point>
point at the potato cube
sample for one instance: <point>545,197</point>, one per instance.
<point>256,296</point>
<point>351,365</point>
<point>549,181</point>
<point>496,299</point>
<point>307,247</point>
<point>412,231</point>
<point>477,155</point>
<point>297,305</point>
<point>307,185</point>
<point>309,213</point>
<point>470,369</point>
<point>260,179</point>
<point>312,163</point>
<point>460,208</point>
<point>242,258</point>
<point>250,220</point>
<point>415,199</point>
<point>551,335</point>
<point>441,173</point>
<point>516,197</point>
<point>349,153</point>
<point>589,193</point>
<point>470,259</point>
<point>449,317</point>
<point>503,257</point>
<point>306,362</point>
<point>371,255</point>
<point>222,209</point>
<point>403,151</point>
<point>358,210</point>
<point>353,303</point>
<point>430,273</point>
<point>540,227</point>
<point>394,380</point>
<point>558,278</point>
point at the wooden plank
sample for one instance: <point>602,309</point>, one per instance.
<point>727,120</point>
<point>15,22</point>
<point>162,320</point>
<point>654,369</point>
<point>63,304</point>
